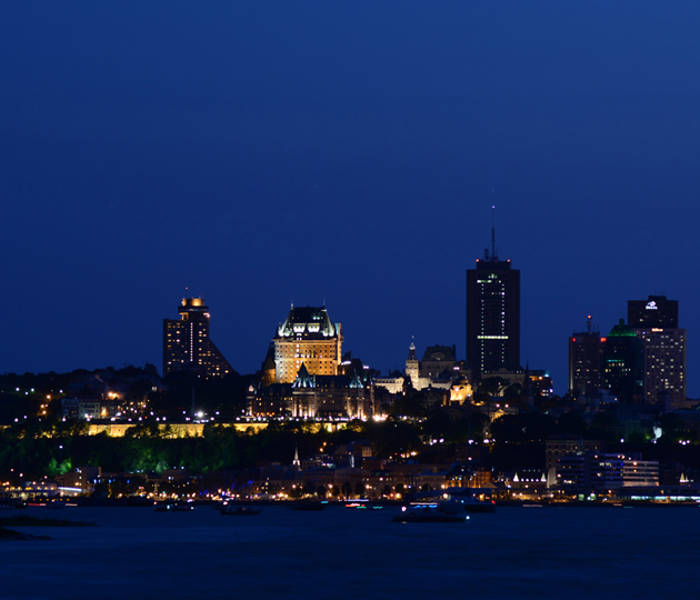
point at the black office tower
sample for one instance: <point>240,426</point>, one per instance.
<point>585,362</point>
<point>655,311</point>
<point>493,314</point>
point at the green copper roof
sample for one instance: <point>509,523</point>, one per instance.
<point>622,330</point>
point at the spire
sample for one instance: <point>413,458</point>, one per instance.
<point>493,232</point>
<point>296,463</point>
<point>412,349</point>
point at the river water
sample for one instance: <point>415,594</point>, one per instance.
<point>344,553</point>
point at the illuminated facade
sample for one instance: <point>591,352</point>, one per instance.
<point>187,345</point>
<point>493,314</point>
<point>664,365</point>
<point>308,337</point>
<point>655,320</point>
<point>315,397</point>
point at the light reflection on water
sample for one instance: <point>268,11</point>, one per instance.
<point>343,553</point>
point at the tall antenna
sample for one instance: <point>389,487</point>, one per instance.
<point>493,232</point>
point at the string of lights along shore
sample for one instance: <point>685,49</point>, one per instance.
<point>306,374</point>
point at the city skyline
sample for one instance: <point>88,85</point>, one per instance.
<point>561,374</point>
<point>398,271</point>
<point>230,167</point>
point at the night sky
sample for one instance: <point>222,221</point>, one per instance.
<point>267,152</point>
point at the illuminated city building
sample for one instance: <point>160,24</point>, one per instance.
<point>493,314</point>
<point>623,363</point>
<point>413,369</point>
<point>585,361</point>
<point>586,471</point>
<point>315,397</point>
<point>309,337</point>
<point>437,370</point>
<point>655,321</point>
<point>268,373</point>
<point>187,345</point>
<point>461,392</point>
<point>539,383</point>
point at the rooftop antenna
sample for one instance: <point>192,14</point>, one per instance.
<point>493,232</point>
<point>588,320</point>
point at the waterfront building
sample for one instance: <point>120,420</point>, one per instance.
<point>557,447</point>
<point>309,337</point>
<point>585,361</point>
<point>595,472</point>
<point>493,314</point>
<point>187,345</point>
<point>655,321</point>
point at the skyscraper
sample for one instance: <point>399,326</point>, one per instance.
<point>493,314</point>
<point>585,359</point>
<point>187,345</point>
<point>655,321</point>
<point>307,337</point>
<point>656,311</point>
<point>623,363</point>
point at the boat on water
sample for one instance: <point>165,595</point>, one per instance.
<point>432,512</point>
<point>473,500</point>
<point>363,504</point>
<point>238,510</point>
<point>173,506</point>
<point>474,505</point>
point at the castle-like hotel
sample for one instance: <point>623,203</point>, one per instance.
<point>305,374</point>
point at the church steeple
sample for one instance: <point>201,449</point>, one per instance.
<point>296,463</point>
<point>412,350</point>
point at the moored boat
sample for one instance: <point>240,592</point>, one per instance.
<point>432,512</point>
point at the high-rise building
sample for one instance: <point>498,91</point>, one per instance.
<point>187,345</point>
<point>585,361</point>
<point>308,337</point>
<point>623,363</point>
<point>655,321</point>
<point>664,365</point>
<point>656,311</point>
<point>493,314</point>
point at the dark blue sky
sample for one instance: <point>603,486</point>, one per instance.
<point>262,152</point>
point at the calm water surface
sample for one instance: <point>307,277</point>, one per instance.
<point>342,553</point>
